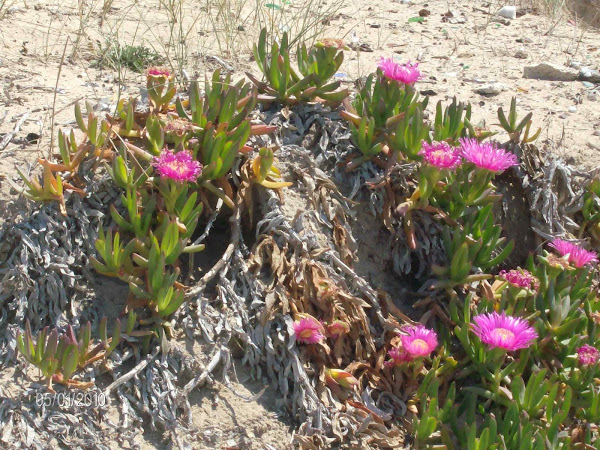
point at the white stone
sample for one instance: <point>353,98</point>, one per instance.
<point>550,72</point>
<point>510,12</point>
<point>490,89</point>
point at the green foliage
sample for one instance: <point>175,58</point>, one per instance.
<point>387,113</point>
<point>449,124</point>
<point>222,102</point>
<point>58,357</point>
<point>133,57</point>
<point>515,129</point>
<point>316,66</point>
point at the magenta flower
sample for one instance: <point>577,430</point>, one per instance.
<point>158,72</point>
<point>588,355</point>
<point>308,330</point>
<point>502,331</point>
<point>520,278</point>
<point>440,155</point>
<point>404,73</point>
<point>486,155</point>
<point>398,355</point>
<point>577,255</point>
<point>420,341</point>
<point>178,166</point>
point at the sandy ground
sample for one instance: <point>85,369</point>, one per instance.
<point>455,57</point>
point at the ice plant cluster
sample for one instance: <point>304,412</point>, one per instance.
<point>407,73</point>
<point>503,331</point>
<point>576,255</point>
<point>511,361</point>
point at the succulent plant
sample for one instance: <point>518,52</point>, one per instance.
<point>311,82</point>
<point>59,356</point>
<point>513,129</point>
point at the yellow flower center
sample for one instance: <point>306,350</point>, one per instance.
<point>178,166</point>
<point>305,334</point>
<point>503,334</point>
<point>419,346</point>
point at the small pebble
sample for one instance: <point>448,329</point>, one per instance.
<point>597,133</point>
<point>572,109</point>
<point>521,54</point>
<point>563,116</point>
<point>588,85</point>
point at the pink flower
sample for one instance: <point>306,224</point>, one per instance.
<point>420,341</point>
<point>440,155</point>
<point>178,166</point>
<point>405,73</point>
<point>398,355</point>
<point>588,355</point>
<point>577,255</point>
<point>158,72</point>
<point>308,330</point>
<point>486,155</point>
<point>520,278</point>
<point>337,328</point>
<point>502,331</point>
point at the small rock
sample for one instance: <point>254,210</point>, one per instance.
<point>2,63</point>
<point>510,12</point>
<point>521,54</point>
<point>524,40</point>
<point>588,84</point>
<point>364,47</point>
<point>490,89</point>
<point>597,133</point>
<point>241,28</point>
<point>550,72</point>
<point>424,13</point>
<point>572,109</point>
<point>592,97</point>
<point>453,17</point>
<point>563,116</point>
<point>590,75</point>
<point>375,25</point>
<point>32,138</point>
